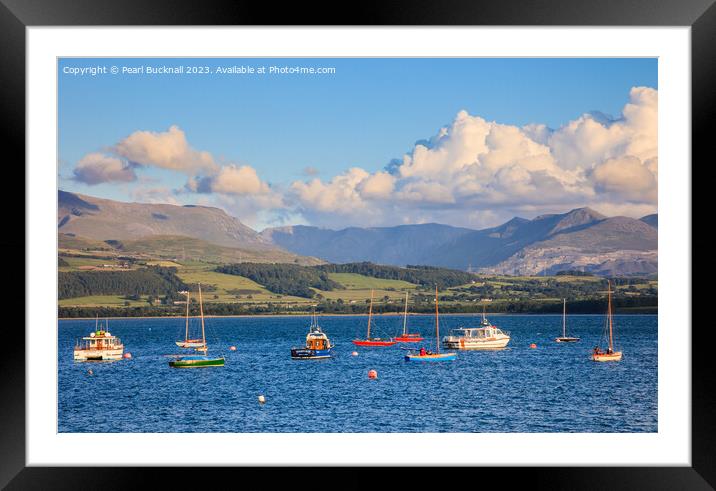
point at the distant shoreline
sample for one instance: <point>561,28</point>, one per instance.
<point>386,314</point>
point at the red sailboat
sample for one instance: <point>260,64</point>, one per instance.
<point>407,337</point>
<point>368,341</point>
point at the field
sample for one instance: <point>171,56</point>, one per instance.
<point>232,288</point>
<point>103,301</point>
<point>354,281</point>
<point>228,291</point>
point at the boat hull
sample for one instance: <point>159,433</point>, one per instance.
<point>189,344</point>
<point>566,340</point>
<point>310,354</point>
<point>98,355</point>
<point>197,363</point>
<point>365,342</point>
<point>409,338</point>
<point>431,358</point>
<point>474,344</point>
<point>616,356</point>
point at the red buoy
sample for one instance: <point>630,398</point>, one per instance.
<point>128,356</point>
<point>372,374</point>
<point>533,345</point>
<point>232,348</point>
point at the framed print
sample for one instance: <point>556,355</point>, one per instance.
<point>422,239</point>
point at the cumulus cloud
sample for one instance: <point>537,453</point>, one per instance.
<point>97,168</point>
<point>474,166</point>
<point>628,177</point>
<point>340,194</point>
<point>238,180</point>
<point>159,194</point>
<point>168,150</point>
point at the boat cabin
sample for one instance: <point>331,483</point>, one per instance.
<point>99,340</point>
<point>486,332</point>
<point>316,339</point>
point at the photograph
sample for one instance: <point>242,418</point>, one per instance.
<point>365,244</point>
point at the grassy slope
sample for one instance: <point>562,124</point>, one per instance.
<point>354,281</point>
<point>357,286</point>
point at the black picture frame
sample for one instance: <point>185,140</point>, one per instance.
<point>16,15</point>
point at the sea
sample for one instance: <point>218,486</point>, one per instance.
<point>549,388</point>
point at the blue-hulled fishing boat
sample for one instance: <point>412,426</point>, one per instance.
<point>317,347</point>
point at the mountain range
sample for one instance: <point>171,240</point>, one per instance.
<point>163,230</point>
<point>580,239</point>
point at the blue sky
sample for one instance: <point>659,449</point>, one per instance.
<point>365,114</point>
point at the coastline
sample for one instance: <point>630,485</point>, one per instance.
<point>386,314</point>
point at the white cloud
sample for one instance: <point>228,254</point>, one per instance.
<point>339,195</point>
<point>379,185</point>
<point>627,177</point>
<point>158,194</point>
<point>238,180</point>
<point>168,150</point>
<point>472,166</point>
<point>96,168</point>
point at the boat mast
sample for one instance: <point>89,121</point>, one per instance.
<point>201,312</point>
<point>186,333</point>
<point>405,315</point>
<point>609,314</point>
<point>437,323</point>
<point>370,313</point>
<point>564,318</point>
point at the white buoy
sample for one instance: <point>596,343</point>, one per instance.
<point>355,353</point>
<point>262,399</point>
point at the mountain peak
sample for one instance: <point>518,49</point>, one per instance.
<point>577,217</point>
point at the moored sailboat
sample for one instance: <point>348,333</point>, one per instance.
<point>609,355</point>
<point>425,355</point>
<point>198,344</point>
<point>564,338</point>
<point>198,361</point>
<point>368,341</point>
<point>407,337</point>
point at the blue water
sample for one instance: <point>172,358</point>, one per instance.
<point>553,388</point>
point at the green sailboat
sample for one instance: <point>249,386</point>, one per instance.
<point>198,361</point>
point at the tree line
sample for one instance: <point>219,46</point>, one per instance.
<point>420,275</point>
<point>642,305</point>
<point>154,280</point>
<point>284,279</point>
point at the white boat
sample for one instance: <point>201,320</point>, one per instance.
<point>485,337</point>
<point>197,344</point>
<point>100,345</point>
<point>609,355</point>
<point>564,338</point>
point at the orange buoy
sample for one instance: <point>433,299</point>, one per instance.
<point>355,353</point>
<point>533,345</point>
<point>372,374</point>
<point>232,348</point>
<point>128,356</point>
